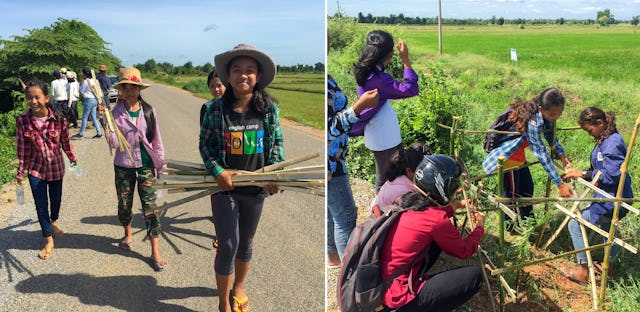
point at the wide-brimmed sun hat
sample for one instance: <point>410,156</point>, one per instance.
<point>130,75</point>
<point>265,62</point>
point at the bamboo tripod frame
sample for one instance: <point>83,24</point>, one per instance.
<point>618,200</point>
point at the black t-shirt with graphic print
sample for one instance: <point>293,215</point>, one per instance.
<point>244,134</point>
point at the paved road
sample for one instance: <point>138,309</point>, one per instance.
<point>87,271</point>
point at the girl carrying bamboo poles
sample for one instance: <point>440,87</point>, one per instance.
<point>240,131</point>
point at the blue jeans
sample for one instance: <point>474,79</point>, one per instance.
<point>341,214</point>
<point>89,106</point>
<point>604,223</point>
<point>41,198</point>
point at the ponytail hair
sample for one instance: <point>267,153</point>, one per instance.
<point>591,115</point>
<point>523,111</point>
<point>379,45</point>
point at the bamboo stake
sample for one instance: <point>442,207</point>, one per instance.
<point>289,162</point>
<point>526,200</point>
<point>463,131</point>
<point>605,194</point>
<point>567,218</point>
<point>616,208</point>
<point>480,177</point>
<point>526,264</point>
<point>500,206</point>
<point>247,183</point>
<point>491,266</point>
<point>592,273</point>
<point>597,229</point>
<point>501,227</point>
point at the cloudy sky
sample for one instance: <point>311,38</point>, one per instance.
<point>291,31</point>
<point>570,9</point>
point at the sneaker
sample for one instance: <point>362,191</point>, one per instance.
<point>77,136</point>
<point>97,136</point>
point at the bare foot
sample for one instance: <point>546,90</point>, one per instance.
<point>47,251</point>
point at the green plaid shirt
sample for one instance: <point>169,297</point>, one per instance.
<point>213,144</point>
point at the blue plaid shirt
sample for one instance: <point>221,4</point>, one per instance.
<point>339,121</point>
<point>536,144</point>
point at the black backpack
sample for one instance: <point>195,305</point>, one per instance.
<point>360,285</point>
<point>493,140</point>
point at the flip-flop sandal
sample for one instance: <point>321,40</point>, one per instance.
<point>242,305</point>
<point>125,245</point>
<point>45,253</point>
<point>159,266</point>
<point>57,230</point>
<point>571,275</point>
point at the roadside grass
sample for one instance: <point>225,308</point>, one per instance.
<point>593,66</point>
<point>300,96</point>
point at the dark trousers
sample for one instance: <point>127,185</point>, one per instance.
<point>446,290</point>
<point>45,192</point>
<point>518,183</point>
<point>72,114</point>
<point>382,159</point>
<point>237,217</point>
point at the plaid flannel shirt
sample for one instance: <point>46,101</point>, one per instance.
<point>536,144</point>
<point>213,144</point>
<point>339,122</point>
<point>40,153</point>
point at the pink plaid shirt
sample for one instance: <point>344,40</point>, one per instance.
<point>40,152</point>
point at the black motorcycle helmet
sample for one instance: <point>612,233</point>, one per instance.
<point>439,177</point>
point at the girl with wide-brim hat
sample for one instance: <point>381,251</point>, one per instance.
<point>240,131</point>
<point>138,122</point>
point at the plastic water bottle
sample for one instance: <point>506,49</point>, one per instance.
<point>71,167</point>
<point>159,192</point>
<point>78,170</point>
<point>20,195</point>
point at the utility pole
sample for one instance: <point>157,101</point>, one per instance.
<point>439,27</point>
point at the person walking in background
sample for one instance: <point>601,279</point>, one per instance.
<point>105,84</point>
<point>216,88</point>
<point>414,243</point>
<point>138,122</point>
<point>73,92</point>
<point>59,92</point>
<point>240,131</point>
<point>341,208</point>
<point>530,118</point>
<point>607,156</point>
<point>89,105</point>
<point>379,125</point>
<point>41,137</point>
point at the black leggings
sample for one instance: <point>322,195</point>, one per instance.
<point>236,221</point>
<point>382,159</point>
<point>446,290</point>
<point>518,183</point>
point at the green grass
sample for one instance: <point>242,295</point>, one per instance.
<point>300,96</point>
<point>593,66</point>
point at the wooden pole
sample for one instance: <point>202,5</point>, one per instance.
<point>439,27</point>
<point>501,228</point>
<point>616,209</point>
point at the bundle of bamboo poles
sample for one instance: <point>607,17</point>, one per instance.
<point>110,124</point>
<point>181,176</point>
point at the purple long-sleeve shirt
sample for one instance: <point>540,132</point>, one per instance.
<point>388,89</point>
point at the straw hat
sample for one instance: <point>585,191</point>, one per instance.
<point>265,62</point>
<point>71,75</point>
<point>130,75</point>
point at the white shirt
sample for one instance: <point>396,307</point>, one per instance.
<point>59,90</point>
<point>85,90</point>
<point>73,90</point>
<point>382,132</point>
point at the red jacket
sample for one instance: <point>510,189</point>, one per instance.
<point>409,236</point>
<point>40,153</point>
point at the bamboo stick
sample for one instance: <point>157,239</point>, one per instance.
<point>501,227</point>
<point>527,200</point>
<point>500,206</point>
<point>596,229</point>
<point>244,183</point>
<point>269,176</point>
<point>616,209</point>
<point>567,218</point>
<point>463,131</point>
<point>533,262</point>
<point>183,165</point>
<point>289,162</point>
<point>491,266</point>
<point>480,177</point>
<point>605,194</point>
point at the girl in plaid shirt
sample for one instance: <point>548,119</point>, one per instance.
<point>41,136</point>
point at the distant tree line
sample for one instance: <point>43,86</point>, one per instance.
<point>151,66</point>
<point>604,17</point>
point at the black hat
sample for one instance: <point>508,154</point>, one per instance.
<point>438,177</point>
